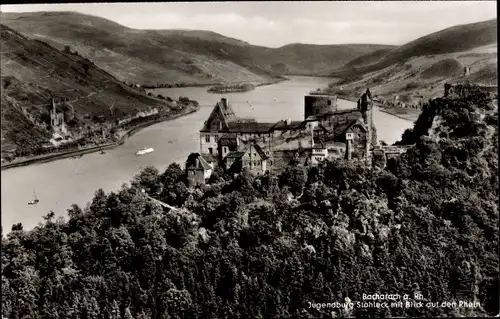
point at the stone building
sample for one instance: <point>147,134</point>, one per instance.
<point>252,157</point>
<point>198,170</point>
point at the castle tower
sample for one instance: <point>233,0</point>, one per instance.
<point>52,112</point>
<point>365,104</point>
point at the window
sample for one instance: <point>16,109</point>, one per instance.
<point>207,138</point>
<point>224,149</point>
<point>359,135</point>
<point>210,150</point>
<point>329,102</point>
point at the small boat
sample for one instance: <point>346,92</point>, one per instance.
<point>146,150</point>
<point>34,201</point>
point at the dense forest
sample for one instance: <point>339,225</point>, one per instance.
<point>267,246</point>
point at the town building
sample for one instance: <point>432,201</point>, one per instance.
<point>252,157</point>
<point>198,170</point>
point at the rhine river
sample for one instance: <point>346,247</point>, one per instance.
<point>60,183</point>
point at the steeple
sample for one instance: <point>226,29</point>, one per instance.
<point>53,105</point>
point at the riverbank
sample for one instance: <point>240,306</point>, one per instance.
<point>403,113</point>
<point>77,152</point>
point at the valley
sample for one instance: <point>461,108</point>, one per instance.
<point>152,172</point>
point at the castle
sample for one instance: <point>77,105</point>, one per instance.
<point>325,132</point>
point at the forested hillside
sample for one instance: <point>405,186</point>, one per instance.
<point>265,247</point>
<point>33,72</point>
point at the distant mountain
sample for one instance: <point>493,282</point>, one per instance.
<point>173,56</point>
<point>455,39</point>
<point>416,71</point>
<point>32,72</point>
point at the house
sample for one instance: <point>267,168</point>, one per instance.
<point>252,157</point>
<point>233,161</point>
<point>255,159</point>
<point>356,136</point>
<point>319,152</point>
<point>227,143</point>
<point>198,170</point>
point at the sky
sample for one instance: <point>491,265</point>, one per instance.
<point>278,23</point>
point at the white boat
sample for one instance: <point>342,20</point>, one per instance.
<point>34,201</point>
<point>146,150</point>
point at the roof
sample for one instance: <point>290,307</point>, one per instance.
<point>282,125</point>
<point>223,111</point>
<point>228,141</point>
<point>197,162</point>
<point>259,150</point>
<point>209,157</point>
<point>357,122</point>
<point>235,154</point>
<point>250,127</point>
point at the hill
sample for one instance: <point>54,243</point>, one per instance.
<point>246,247</point>
<point>175,56</point>
<point>455,39</point>
<point>33,72</point>
<point>411,74</point>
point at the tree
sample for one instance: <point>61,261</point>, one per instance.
<point>149,180</point>
<point>295,178</point>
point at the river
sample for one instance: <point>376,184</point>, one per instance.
<point>69,181</point>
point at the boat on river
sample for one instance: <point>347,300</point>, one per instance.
<point>34,201</point>
<point>146,150</point>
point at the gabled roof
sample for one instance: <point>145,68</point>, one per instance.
<point>259,150</point>
<point>222,110</point>
<point>357,122</point>
<point>197,162</point>
<point>209,157</point>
